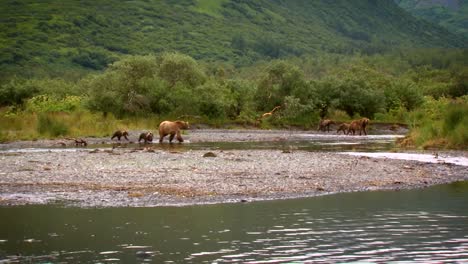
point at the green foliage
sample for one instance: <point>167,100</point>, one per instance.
<point>24,125</point>
<point>181,69</point>
<point>357,91</point>
<point>387,88</point>
<point>356,97</point>
<point>123,87</point>
<point>52,103</point>
<point>3,137</point>
<point>449,14</point>
<point>297,113</point>
<point>181,100</point>
<point>441,123</point>
<point>51,125</point>
<point>399,115</point>
<point>455,123</point>
<point>242,93</point>
<point>215,101</point>
<point>16,91</point>
<point>404,94</point>
<point>92,59</point>
<point>279,80</point>
<point>210,7</point>
<point>460,83</point>
<point>68,38</point>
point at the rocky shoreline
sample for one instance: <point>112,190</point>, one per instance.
<point>171,176</point>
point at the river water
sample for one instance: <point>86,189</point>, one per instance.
<point>428,225</point>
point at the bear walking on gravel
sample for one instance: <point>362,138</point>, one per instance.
<point>172,128</point>
<point>120,133</point>
<point>146,136</point>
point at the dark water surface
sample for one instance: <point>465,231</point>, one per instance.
<point>306,142</point>
<point>429,225</point>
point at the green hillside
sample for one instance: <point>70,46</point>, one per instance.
<point>66,37</point>
<point>451,14</point>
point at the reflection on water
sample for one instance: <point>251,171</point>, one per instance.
<point>314,144</point>
<point>307,142</point>
<point>419,226</point>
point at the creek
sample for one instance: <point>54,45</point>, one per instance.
<point>425,225</point>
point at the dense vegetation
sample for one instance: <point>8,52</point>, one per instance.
<point>70,38</point>
<point>451,14</point>
<point>103,65</point>
<point>399,87</point>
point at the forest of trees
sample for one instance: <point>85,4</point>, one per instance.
<point>404,87</point>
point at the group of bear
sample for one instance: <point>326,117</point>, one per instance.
<point>171,128</point>
<point>355,126</point>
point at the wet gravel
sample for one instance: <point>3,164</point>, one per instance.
<point>149,176</point>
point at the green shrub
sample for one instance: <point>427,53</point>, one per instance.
<point>441,123</point>
<point>455,124</point>
<point>50,126</point>
<point>3,137</point>
<point>50,103</point>
<point>16,91</point>
<point>178,68</point>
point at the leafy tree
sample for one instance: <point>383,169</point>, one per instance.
<point>403,93</point>
<point>242,93</point>
<point>121,89</point>
<point>177,68</point>
<point>238,42</point>
<point>279,80</point>
<point>182,100</point>
<point>95,60</point>
<point>51,103</point>
<point>327,94</point>
<point>104,95</point>
<point>460,84</point>
<point>16,91</point>
<point>214,100</point>
<point>294,109</point>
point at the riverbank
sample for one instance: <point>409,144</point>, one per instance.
<point>152,175</point>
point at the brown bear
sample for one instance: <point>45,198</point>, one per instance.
<point>146,136</point>
<point>120,133</point>
<point>359,125</point>
<point>343,127</point>
<point>324,125</point>
<point>172,128</point>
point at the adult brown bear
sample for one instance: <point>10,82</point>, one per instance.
<point>359,125</point>
<point>324,125</point>
<point>172,128</point>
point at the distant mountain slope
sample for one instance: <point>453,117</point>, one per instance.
<point>53,35</point>
<point>451,14</point>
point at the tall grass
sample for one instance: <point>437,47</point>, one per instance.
<point>455,125</point>
<point>17,126</point>
<point>441,123</point>
<point>32,126</point>
<point>50,125</point>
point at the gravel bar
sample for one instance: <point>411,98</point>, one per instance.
<point>145,176</point>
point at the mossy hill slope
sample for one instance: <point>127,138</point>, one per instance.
<point>451,14</point>
<point>51,36</point>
